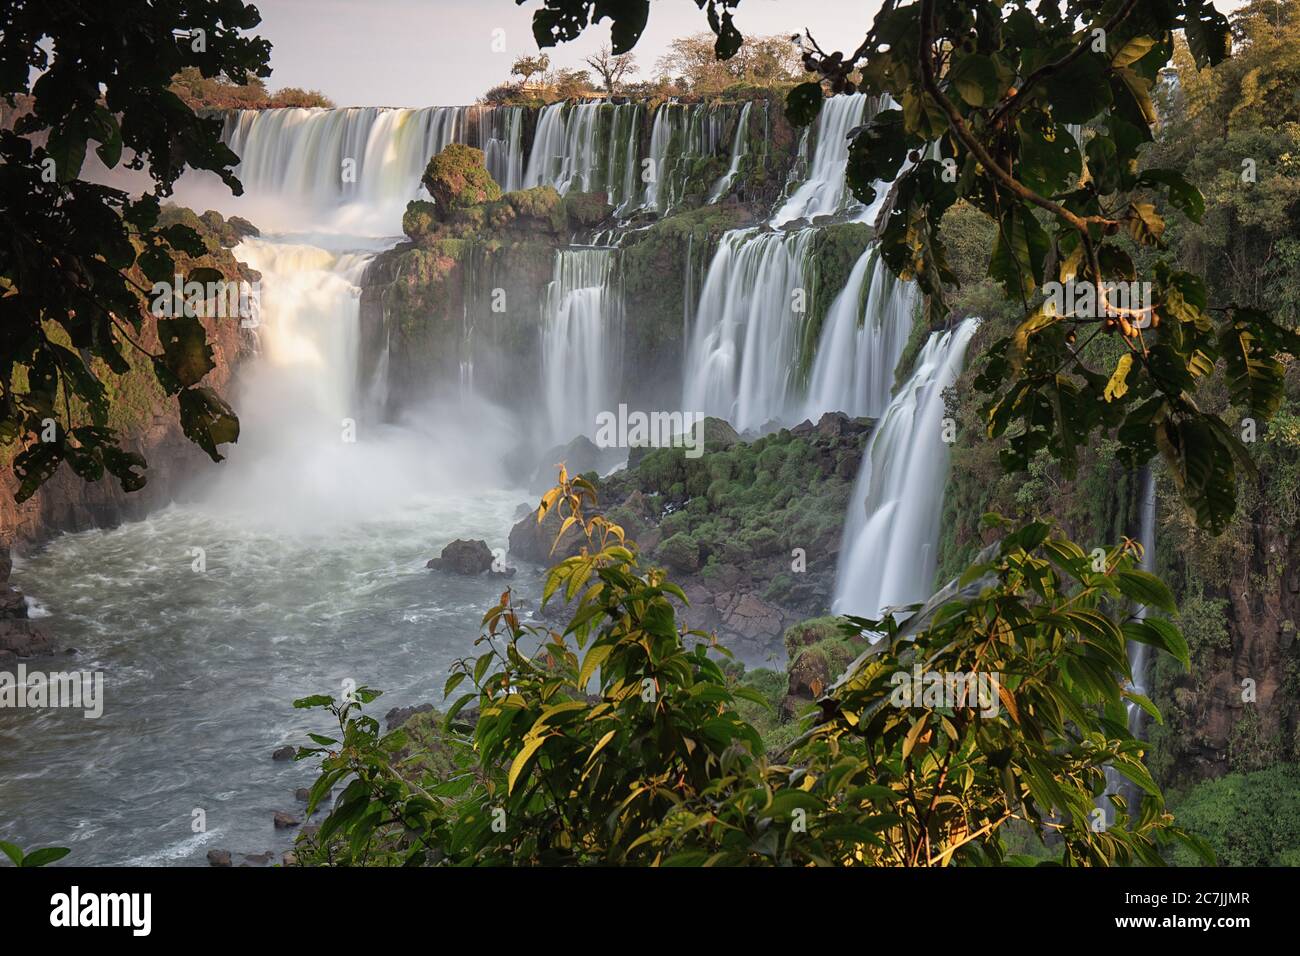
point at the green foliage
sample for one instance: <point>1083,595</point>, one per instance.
<point>658,766</point>
<point>1249,819</point>
<point>218,93</point>
<point>81,257</point>
<point>457,178</point>
<point>36,857</point>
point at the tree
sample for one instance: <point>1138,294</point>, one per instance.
<point>986,98</point>
<point>77,257</point>
<point>761,61</point>
<point>526,67</point>
<point>658,767</point>
<point>218,93</point>
<point>611,69</point>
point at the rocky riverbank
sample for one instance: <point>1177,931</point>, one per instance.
<point>750,529</point>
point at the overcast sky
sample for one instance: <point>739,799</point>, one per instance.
<point>440,52</point>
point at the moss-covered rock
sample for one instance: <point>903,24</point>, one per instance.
<point>457,177</point>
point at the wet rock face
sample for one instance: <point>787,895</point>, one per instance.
<point>19,637</point>
<point>750,529</point>
<point>463,557</point>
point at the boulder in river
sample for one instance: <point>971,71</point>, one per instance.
<point>463,557</point>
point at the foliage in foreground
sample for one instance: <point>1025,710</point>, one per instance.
<point>658,766</point>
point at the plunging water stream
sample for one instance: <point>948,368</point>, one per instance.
<point>297,565</point>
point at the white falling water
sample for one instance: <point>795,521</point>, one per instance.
<point>739,149</point>
<point>888,556</point>
<point>826,192</point>
<point>586,147</point>
<point>580,332</point>
<point>681,133</point>
<point>1138,653</point>
<point>355,169</point>
<point>741,357</point>
<point>500,135</point>
<point>862,338</point>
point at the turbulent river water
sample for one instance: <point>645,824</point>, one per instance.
<point>200,669</point>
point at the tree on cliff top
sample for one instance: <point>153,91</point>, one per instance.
<point>77,258</point>
<point>985,94</point>
<point>611,69</point>
<point>219,93</point>
<point>457,177</point>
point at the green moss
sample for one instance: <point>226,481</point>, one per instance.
<point>457,178</point>
<point>1248,819</point>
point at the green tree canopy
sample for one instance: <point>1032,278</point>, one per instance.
<point>76,257</point>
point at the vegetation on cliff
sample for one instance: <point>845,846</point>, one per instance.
<point>658,766</point>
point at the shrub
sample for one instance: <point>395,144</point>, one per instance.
<point>457,177</point>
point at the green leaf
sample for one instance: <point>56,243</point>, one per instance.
<point>803,104</point>
<point>316,700</point>
<point>207,420</point>
<point>1158,632</point>
<point>1080,91</point>
<point>1146,589</point>
<point>185,349</point>
<point>1182,194</point>
<point>45,855</point>
<point>13,852</point>
<point>1018,254</point>
<point>976,79</point>
<point>595,657</point>
<point>521,760</point>
<point>1132,51</point>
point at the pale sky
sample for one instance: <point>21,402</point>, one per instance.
<point>439,52</point>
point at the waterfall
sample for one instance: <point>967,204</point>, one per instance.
<point>825,191</point>
<point>581,329</point>
<point>890,537</point>
<point>681,134</point>
<point>500,136</point>
<point>1138,653</point>
<point>741,356</point>
<point>862,338</point>
<point>739,149</point>
<point>356,167</point>
<point>586,147</point>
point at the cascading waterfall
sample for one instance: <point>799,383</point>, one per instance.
<point>862,338</point>
<point>581,329</point>
<point>1138,653</point>
<point>741,356</point>
<point>825,191</point>
<point>500,136</point>
<point>739,149</point>
<point>587,147</point>
<point>356,168</point>
<point>681,134</point>
<point>888,555</point>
